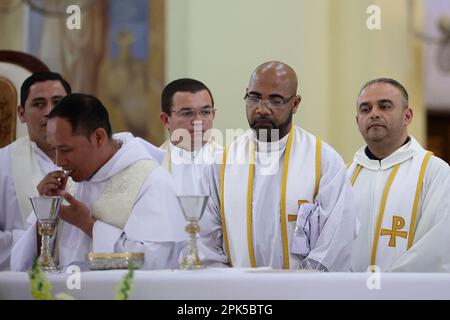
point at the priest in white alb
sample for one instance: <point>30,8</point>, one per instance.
<point>26,161</point>
<point>122,199</point>
<point>401,189</point>
<point>280,197</point>
<point>187,111</point>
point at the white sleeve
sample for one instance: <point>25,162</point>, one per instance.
<point>158,255</point>
<point>336,216</point>
<point>155,225</point>
<point>6,240</point>
<point>24,249</point>
<point>11,226</point>
<point>104,237</point>
<point>156,153</point>
<point>211,244</point>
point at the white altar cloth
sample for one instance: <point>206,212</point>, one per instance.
<point>239,284</point>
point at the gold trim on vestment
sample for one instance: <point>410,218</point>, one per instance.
<point>356,173</point>
<point>381,214</point>
<point>251,175</point>
<point>284,177</point>
<point>318,162</point>
<point>222,204</point>
<point>412,227</point>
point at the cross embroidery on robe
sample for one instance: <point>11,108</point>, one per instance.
<point>397,224</point>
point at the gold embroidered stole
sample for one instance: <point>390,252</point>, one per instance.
<point>397,216</point>
<point>299,184</point>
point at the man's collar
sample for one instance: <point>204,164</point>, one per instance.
<point>400,155</point>
<point>371,156</point>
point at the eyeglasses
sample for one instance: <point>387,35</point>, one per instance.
<point>189,113</point>
<point>272,103</point>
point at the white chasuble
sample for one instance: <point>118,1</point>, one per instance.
<point>300,175</point>
<point>394,220</point>
<point>116,203</point>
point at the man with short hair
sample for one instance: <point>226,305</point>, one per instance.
<point>27,160</point>
<point>123,200</point>
<point>401,189</point>
<point>280,197</point>
<point>188,113</point>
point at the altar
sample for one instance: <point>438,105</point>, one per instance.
<point>237,284</point>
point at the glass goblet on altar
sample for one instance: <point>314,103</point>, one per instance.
<point>193,208</point>
<point>46,210</point>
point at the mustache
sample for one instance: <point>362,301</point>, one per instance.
<point>254,123</point>
<point>376,123</point>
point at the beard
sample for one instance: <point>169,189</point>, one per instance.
<point>267,130</point>
<point>376,134</point>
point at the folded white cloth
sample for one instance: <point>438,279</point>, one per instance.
<point>307,229</point>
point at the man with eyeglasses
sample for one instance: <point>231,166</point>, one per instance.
<point>401,189</point>
<point>280,197</point>
<point>188,113</point>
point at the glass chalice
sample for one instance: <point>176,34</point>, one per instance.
<point>46,210</point>
<point>193,208</point>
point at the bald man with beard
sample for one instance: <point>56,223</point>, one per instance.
<point>280,197</point>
